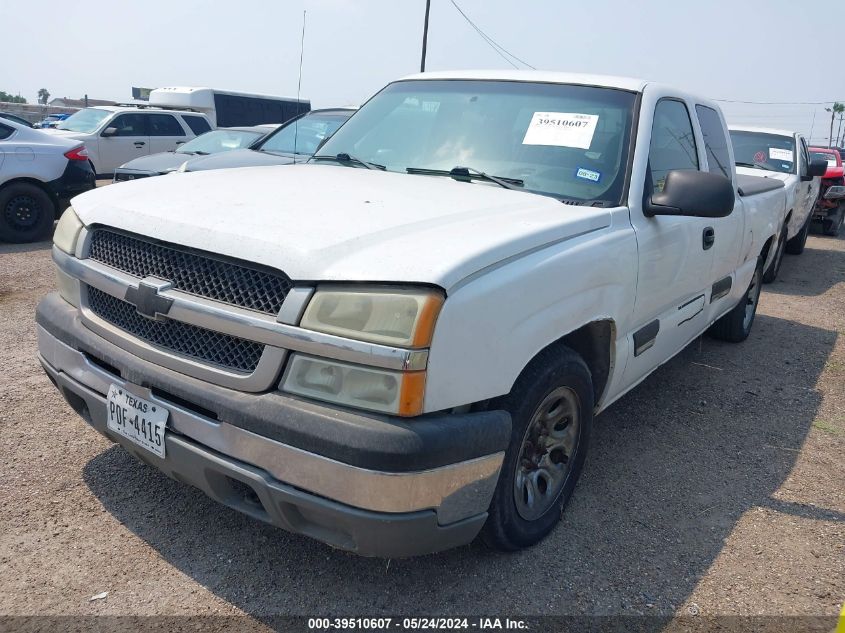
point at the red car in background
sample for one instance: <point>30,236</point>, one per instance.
<point>830,206</point>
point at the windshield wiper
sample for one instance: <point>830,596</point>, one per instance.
<point>467,174</point>
<point>754,165</point>
<point>346,159</point>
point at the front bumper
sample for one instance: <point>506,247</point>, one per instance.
<point>375,485</point>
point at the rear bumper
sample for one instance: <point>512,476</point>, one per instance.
<point>78,177</point>
<point>356,502</point>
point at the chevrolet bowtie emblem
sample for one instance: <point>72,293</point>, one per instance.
<point>147,300</point>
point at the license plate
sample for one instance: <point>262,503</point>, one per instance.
<point>136,419</point>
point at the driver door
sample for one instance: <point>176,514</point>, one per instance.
<point>674,263</point>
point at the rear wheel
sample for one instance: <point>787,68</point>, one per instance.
<point>774,268</point>
<point>27,213</point>
<point>795,246</point>
<point>833,223</point>
<point>735,326</point>
<point>551,406</point>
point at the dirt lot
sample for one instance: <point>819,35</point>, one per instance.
<point>715,488</point>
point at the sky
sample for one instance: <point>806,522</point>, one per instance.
<point>740,50</point>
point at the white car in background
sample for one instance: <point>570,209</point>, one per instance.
<point>783,155</point>
<point>114,135</point>
<point>39,173</point>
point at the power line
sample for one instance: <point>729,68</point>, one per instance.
<point>779,102</point>
<point>501,50</point>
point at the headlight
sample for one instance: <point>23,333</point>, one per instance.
<point>397,393</point>
<point>67,231</point>
<point>403,318</point>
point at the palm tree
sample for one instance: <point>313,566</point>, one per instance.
<point>837,108</point>
<point>43,96</point>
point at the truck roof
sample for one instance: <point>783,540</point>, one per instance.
<point>762,130</point>
<point>539,76</point>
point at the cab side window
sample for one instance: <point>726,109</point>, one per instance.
<point>715,141</point>
<point>129,125</point>
<point>672,142</point>
<point>164,125</point>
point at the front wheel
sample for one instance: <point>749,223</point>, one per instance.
<point>551,406</point>
<point>833,223</point>
<point>795,246</point>
<point>27,213</point>
<point>735,326</point>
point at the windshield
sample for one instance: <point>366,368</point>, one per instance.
<point>764,151</point>
<point>562,140</point>
<point>219,141</point>
<point>86,120</point>
<point>305,134</point>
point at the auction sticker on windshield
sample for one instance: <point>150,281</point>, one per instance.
<point>562,129</point>
<point>136,419</point>
<point>775,153</point>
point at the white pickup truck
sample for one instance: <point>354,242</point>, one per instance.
<point>403,343</point>
<point>781,154</point>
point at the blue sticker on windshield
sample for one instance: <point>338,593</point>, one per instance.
<point>588,174</point>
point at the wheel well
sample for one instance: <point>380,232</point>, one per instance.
<point>592,342</point>
<point>36,183</point>
<point>765,252</point>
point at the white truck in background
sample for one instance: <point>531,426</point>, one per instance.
<point>783,155</point>
<point>403,343</point>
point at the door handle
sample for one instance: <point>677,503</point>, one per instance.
<point>708,237</point>
<point>139,143</point>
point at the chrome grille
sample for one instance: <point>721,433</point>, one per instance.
<point>203,345</point>
<point>192,271</point>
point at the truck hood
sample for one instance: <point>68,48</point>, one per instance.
<point>333,223</point>
<point>241,158</point>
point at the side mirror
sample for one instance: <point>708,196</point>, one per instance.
<point>109,131</point>
<point>816,168</point>
<point>692,193</point>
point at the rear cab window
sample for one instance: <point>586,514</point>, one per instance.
<point>5,131</point>
<point>715,141</point>
<point>197,124</point>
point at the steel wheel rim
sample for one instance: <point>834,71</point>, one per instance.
<point>751,300</point>
<point>547,453</point>
<point>22,212</point>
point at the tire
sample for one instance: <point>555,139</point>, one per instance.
<point>833,224</point>
<point>774,268</point>
<point>534,487</point>
<point>795,246</point>
<point>27,213</point>
<point>735,326</point>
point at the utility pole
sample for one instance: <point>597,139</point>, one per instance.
<point>425,35</point>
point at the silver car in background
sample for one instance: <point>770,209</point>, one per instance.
<point>212,142</point>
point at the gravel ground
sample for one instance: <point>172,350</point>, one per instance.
<point>715,488</point>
